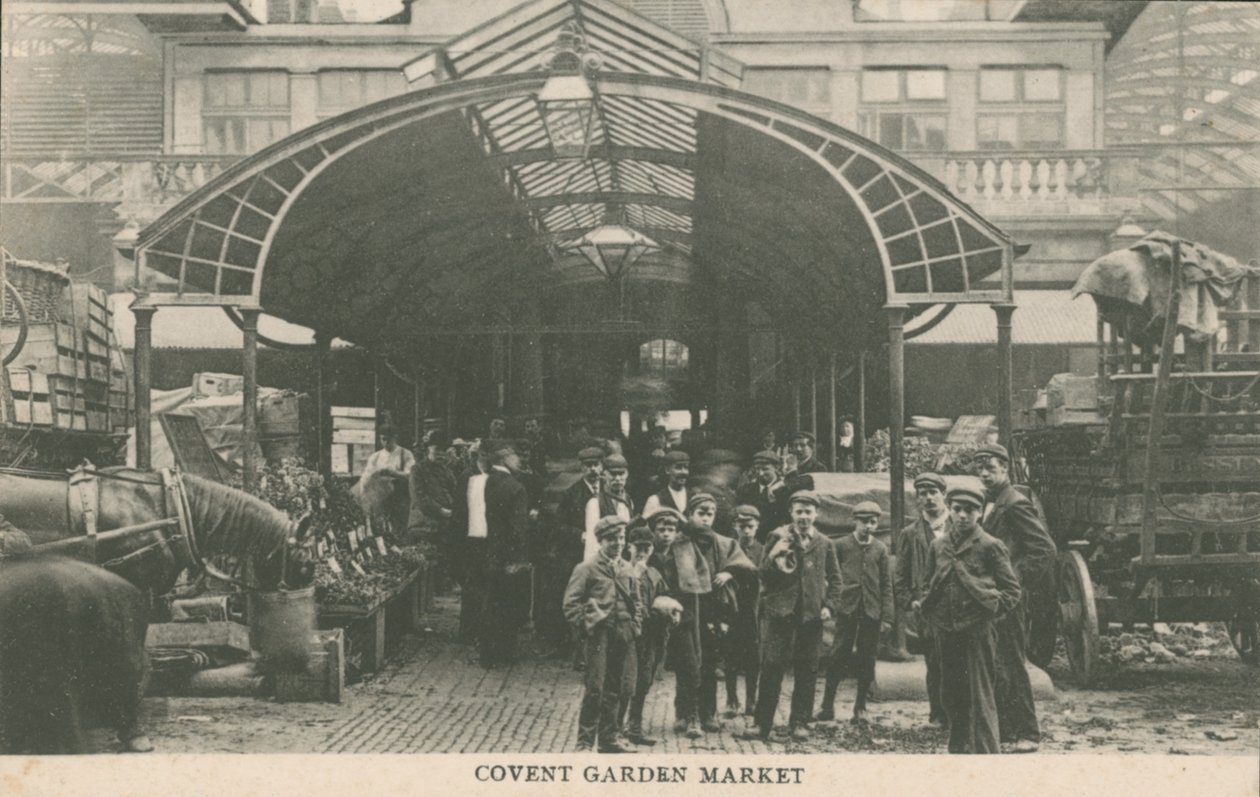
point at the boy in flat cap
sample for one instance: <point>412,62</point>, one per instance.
<point>972,585</point>
<point>611,500</point>
<point>1012,518</point>
<point>800,588</point>
<point>742,649</point>
<point>765,491</point>
<point>911,575</point>
<point>674,493</point>
<point>866,605</point>
<point>602,604</point>
<point>660,613</point>
<point>699,568</point>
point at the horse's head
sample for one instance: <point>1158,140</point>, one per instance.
<point>292,564</point>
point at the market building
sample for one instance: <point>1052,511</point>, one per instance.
<point>798,183</point>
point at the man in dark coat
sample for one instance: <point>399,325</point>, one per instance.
<point>911,576</point>
<point>566,547</point>
<point>765,492</point>
<point>866,605</point>
<point>1012,518</point>
<point>800,588</point>
<point>804,448</point>
<point>971,586</point>
<point>495,550</point>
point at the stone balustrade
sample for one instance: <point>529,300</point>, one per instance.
<point>161,180</point>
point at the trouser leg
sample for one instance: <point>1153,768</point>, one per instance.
<point>596,646</point>
<point>1017,713</point>
<point>932,660</point>
<point>687,652</point>
<point>776,646</point>
<point>839,658</point>
<point>867,646</point>
<point>649,650</point>
<point>804,671</point>
<point>968,663</point>
<point>615,661</point>
<point>707,698</point>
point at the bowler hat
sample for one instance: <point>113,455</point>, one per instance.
<point>608,526</point>
<point>929,479</point>
<point>965,495</point>
<point>805,497</point>
<point>745,511</point>
<point>616,462</point>
<point>591,453</point>
<point>994,450</point>
<point>867,509</point>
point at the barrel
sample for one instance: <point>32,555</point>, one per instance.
<point>281,626</point>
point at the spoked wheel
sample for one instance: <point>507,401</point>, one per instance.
<point>1078,616</point>
<point>1244,633</point>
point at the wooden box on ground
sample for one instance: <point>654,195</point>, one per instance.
<point>325,676</point>
<point>374,632</point>
<point>218,634</point>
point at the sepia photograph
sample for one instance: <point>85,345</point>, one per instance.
<point>721,385</point>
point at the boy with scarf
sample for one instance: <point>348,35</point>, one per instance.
<point>602,604</point>
<point>698,570</point>
<point>743,649</point>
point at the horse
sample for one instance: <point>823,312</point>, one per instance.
<point>149,527</point>
<point>71,652</point>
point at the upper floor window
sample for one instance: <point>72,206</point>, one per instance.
<point>243,112</point>
<point>343,90</point>
<point>1020,108</point>
<point>663,355</point>
<point>904,109</point>
<point>807,88</point>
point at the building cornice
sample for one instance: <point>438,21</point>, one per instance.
<point>917,32</point>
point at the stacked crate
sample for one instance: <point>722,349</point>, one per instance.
<point>70,373</point>
<point>354,439</point>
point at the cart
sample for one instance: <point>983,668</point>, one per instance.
<point>1155,500</point>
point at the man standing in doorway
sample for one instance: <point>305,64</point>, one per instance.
<point>971,586</point>
<point>1012,518</point>
<point>912,577</point>
<point>674,494</point>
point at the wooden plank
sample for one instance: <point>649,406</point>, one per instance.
<point>354,423</point>
<point>354,436</point>
<point>192,635</point>
<point>353,412</point>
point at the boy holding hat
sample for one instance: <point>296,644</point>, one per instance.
<point>699,568</point>
<point>866,605</point>
<point>660,612</point>
<point>800,586</point>
<point>742,643</point>
<point>971,586</point>
<point>1012,518</point>
<point>911,575</point>
<point>602,604</point>
<point>674,493</point>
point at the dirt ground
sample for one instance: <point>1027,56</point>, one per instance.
<point>1200,706</point>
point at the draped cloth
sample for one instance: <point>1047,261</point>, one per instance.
<point>700,555</point>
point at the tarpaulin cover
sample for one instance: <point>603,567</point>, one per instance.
<point>1135,282</point>
<point>838,493</point>
<point>221,418</point>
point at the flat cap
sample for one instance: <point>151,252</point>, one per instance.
<point>929,479</point>
<point>641,535</point>
<point>803,435</point>
<point>867,509</point>
<point>768,457</point>
<point>496,445</point>
<point>805,497</point>
<point>745,511</point>
<point>591,453</point>
<point>616,462</point>
<point>608,526</point>
<point>674,457</point>
<point>665,513</point>
<point>994,450</point>
<point>965,495</point>
<point>697,499</point>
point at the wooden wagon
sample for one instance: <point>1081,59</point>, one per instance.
<point>1154,499</point>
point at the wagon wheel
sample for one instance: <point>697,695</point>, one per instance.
<point>1244,633</point>
<point>1078,615</point>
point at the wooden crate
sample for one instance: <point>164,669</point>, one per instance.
<point>31,402</point>
<point>374,632</point>
<point>354,439</point>
<point>324,679</point>
<point>210,384</point>
<point>52,348</point>
<point>89,310</point>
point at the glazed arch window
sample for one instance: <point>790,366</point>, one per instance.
<point>905,109</point>
<point>342,90</point>
<point>664,355</point>
<point>1020,108</point>
<point>242,112</point>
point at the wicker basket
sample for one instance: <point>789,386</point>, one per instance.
<point>40,286</point>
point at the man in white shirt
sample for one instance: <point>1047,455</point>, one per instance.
<point>674,494</point>
<point>394,463</point>
<point>613,500</point>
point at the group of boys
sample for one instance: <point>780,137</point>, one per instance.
<point>668,585</point>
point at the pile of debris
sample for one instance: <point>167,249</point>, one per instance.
<point>1165,644</point>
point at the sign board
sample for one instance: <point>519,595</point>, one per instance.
<point>972,429</point>
<point>188,445</point>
